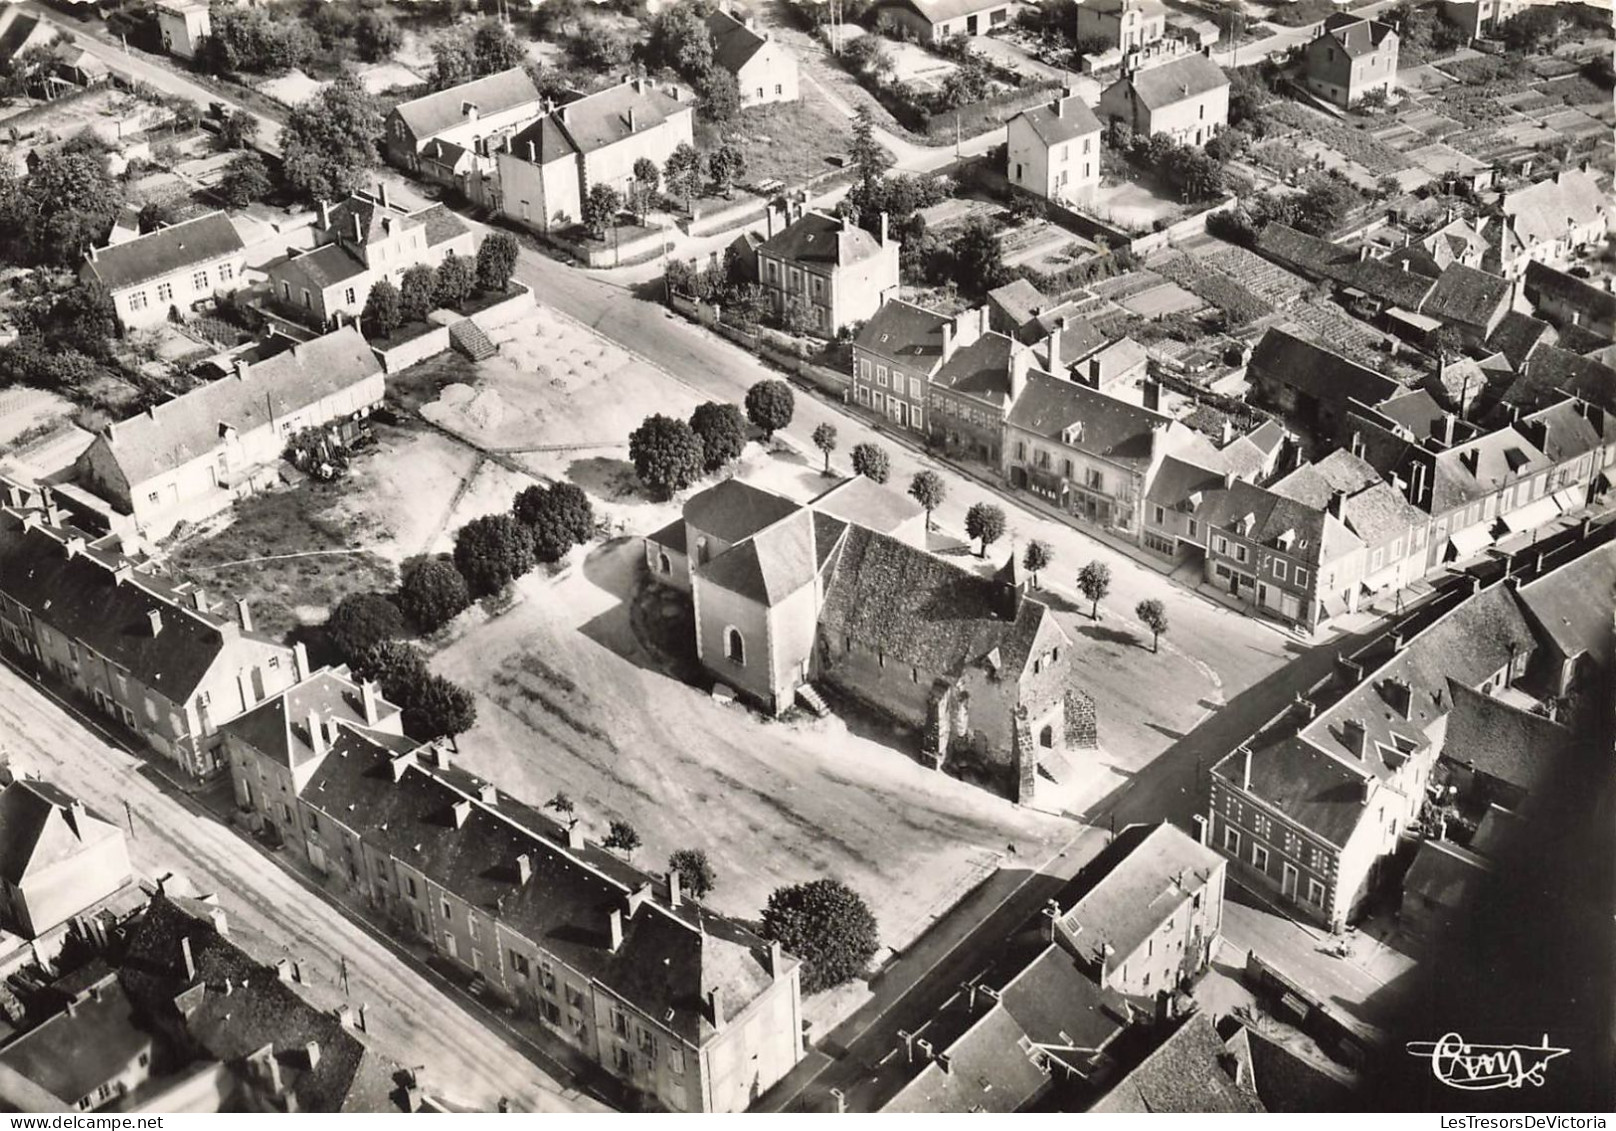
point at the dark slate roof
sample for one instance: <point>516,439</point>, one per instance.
<point>1543,281</point>
<point>671,536</point>
<point>1296,1081</point>
<point>1299,249</point>
<point>1188,1073</point>
<point>1262,516</point>
<point>904,332</point>
<point>860,499</point>
<point>1057,409</point>
<point>1553,373</point>
<point>1355,35</point>
<point>40,827</point>
<point>1568,429</point>
<point>175,432</point>
<point>732,510</point>
<point>924,611</point>
<point>1177,482</point>
<point>1445,874</point>
<point>491,94</point>
<point>1170,83</point>
<point>279,726</point>
<point>170,249</point>
<point>1572,605</point>
<point>981,369</point>
<point>987,1072</point>
<point>1501,458</point>
<point>1316,791</point>
<point>596,121</point>
<point>74,1052</point>
<point>734,43</point>
<point>1318,372</point>
<point>1466,296</point>
<point>237,1003</point>
<point>819,238</point>
<point>1371,508</point>
<point>1315,483</point>
<point>1019,299</point>
<point>770,565</point>
<point>80,597</point>
<point>670,957</point>
<point>1390,283</point>
<point>1416,410</point>
<point>1514,746</point>
<point>317,269</point>
<point>1061,120</point>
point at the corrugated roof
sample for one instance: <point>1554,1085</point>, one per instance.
<point>165,251</point>
<point>491,94</point>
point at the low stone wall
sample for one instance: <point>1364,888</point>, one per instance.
<point>518,306</point>
<point>1189,226</point>
<point>732,214</point>
<point>417,349</point>
<point>706,314</point>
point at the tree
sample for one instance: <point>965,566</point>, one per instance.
<point>1326,205</point>
<point>726,165</point>
<point>643,189</point>
<point>453,281</point>
<point>682,172</point>
<point>978,257</point>
<point>680,40</point>
<point>600,46</point>
<point>384,309</point>
<point>360,622</point>
<point>1094,582</point>
<point>432,593</point>
<point>453,60</point>
<point>1248,94</point>
<point>864,151</point>
<point>695,871</point>
<point>492,551</point>
<point>826,924</point>
<point>966,83</point>
<point>722,429</point>
<point>562,805</point>
<point>622,836</point>
<point>238,129</point>
<point>667,454</point>
<point>1154,614</point>
<point>769,406</point>
<point>245,179</point>
<point>438,708</point>
<point>872,462</point>
<point>396,665</point>
<point>1036,558</point>
<point>81,317</point>
<point>560,518</point>
<point>416,290</point>
<point>1530,29</point>
<point>928,489</point>
<point>984,522</point>
<point>600,209</point>
<point>825,441</point>
<point>496,261</point>
<point>69,202</point>
<point>328,143</point>
<point>496,48</point>
<point>720,96</point>
<point>376,36</point>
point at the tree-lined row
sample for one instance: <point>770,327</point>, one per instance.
<point>423,289</point>
<point>670,454</point>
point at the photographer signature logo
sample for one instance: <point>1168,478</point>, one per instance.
<point>1481,1068</point>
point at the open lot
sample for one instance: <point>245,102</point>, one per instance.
<point>791,142</point>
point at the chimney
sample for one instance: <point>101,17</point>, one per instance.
<point>311,1054</point>
<point>155,617</point>
<point>369,696</point>
<point>325,215</point>
<point>777,960</point>
<point>358,227</point>
<point>300,661</point>
<point>283,970</point>
<point>524,868</point>
<point>637,898</point>
<point>244,614</point>
<point>1334,505</point>
<point>1152,391</point>
<point>381,186</point>
<point>948,340</point>
<point>1470,460</point>
<point>943,1062</point>
<point>241,368</point>
<point>532,153</point>
<point>1245,766</point>
<point>186,959</point>
<point>1400,693</point>
<point>1020,362</point>
<point>674,895</point>
<point>360,1022</point>
<point>1234,1066</point>
<point>460,812</point>
<point>715,1007</point>
<point>199,600</point>
<point>397,765</point>
<point>488,793</point>
<point>1055,366</point>
<point>575,837</point>
<point>316,733</point>
<point>614,931</point>
<point>885,229</point>
<point>1355,737</point>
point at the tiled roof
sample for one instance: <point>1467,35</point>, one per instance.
<point>987,1072</point>
<point>80,597</point>
<point>1087,420</point>
<point>937,11</point>
<point>1572,605</point>
<point>322,267</point>
<point>279,726</point>
<point>1296,1081</point>
<point>1019,299</point>
<point>1394,284</point>
<point>1297,248</point>
<point>491,94</point>
<point>1165,869</point>
<point>670,957</point>
<point>1261,516</point>
<point>1543,281</point>
<point>165,251</point>
<point>175,432</point>
<point>1322,374</point>
<point>1465,296</point>
<point>1540,212</point>
<point>72,1054</point>
<point>40,827</point>
<point>1445,874</point>
<point>927,612</point>
<point>1379,513</point>
<point>596,121</point>
<point>818,238</point>
<point>861,500</point>
<point>1568,429</point>
<point>981,369</point>
<point>904,332</point>
<point>1499,458</point>
<point>1415,410</point>
<point>237,1003</point>
<point>1371,508</point>
<point>771,564</point>
<point>1170,83</point>
<point>1553,373</point>
<point>1176,483</point>
<point>1311,788</point>
<point>1356,36</point>
<point>734,43</point>
<point>1315,483</point>
<point>1061,120</point>
<point>732,510</point>
<point>1505,742</point>
<point>1188,1073</point>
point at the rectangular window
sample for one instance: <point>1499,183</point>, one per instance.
<point>575,998</point>
<point>619,1023</point>
<point>199,281</point>
<point>550,1011</point>
<point>547,977</point>
<point>448,912</point>
<point>226,272</point>
<point>648,1043</point>
<point>676,1060</point>
<point>348,296</point>
<point>1259,857</point>
<point>165,292</point>
<point>914,387</point>
<point>881,375</point>
<point>1241,554</point>
<point>1378,558</point>
<point>1231,840</point>
<point>1158,514</point>
<point>1220,544</point>
<point>1315,893</point>
<point>137,300</point>
<point>1280,568</point>
<point>1301,576</point>
<point>410,880</point>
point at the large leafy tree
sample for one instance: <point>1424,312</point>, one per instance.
<point>245,179</point>
<point>928,489</point>
<point>683,171</point>
<point>984,522</point>
<point>872,462</point>
<point>720,96</point>
<point>396,665</point>
<point>667,454</point>
<point>453,281</point>
<point>1036,558</point>
<point>328,144</point>
<point>360,622</point>
<point>769,406</point>
<point>417,291</point>
<point>493,551</point>
<point>979,257</point>
<point>560,518</point>
<point>69,202</point>
<point>867,155</point>
<point>828,925</point>
<point>680,40</point>
<point>727,164</point>
<point>496,261</point>
<point>438,708</point>
<point>722,429</point>
<point>384,309</point>
<point>601,207</point>
<point>376,36</point>
<point>696,875</point>
<point>432,592</point>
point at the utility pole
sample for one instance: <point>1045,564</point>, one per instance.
<point>343,973</point>
<point>129,815</point>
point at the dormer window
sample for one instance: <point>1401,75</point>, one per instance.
<point>1286,540</point>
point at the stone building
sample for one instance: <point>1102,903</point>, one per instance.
<point>1186,99</point>
<point>1350,59</point>
<point>1053,150</point>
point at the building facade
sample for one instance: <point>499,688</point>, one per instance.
<point>932,21</point>
<point>839,273</point>
<point>1123,24</point>
<point>450,137</point>
<point>1054,150</point>
<point>899,350</point>
<point>176,268</point>
<point>765,70</point>
<point>1187,99</point>
<point>1351,59</point>
<point>184,24</point>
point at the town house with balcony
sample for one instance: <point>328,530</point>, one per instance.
<point>155,656</point>
<point>687,1008</point>
<point>1312,807</point>
<point>898,352</point>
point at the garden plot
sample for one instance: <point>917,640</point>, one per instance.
<point>1239,305</point>
<point>380,77</point>
<point>291,88</point>
<point>1443,160</point>
<point>1043,246</point>
<point>1165,298</point>
<point>918,67</point>
<point>1263,278</point>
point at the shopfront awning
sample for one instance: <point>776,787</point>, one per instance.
<point>1463,543</point>
<point>1568,499</point>
<point>1531,516</point>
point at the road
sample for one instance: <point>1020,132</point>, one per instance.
<point>409,1016</point>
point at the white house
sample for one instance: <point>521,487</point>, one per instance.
<point>173,268</point>
<point>1054,149</point>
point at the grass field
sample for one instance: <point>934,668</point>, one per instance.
<point>790,141</point>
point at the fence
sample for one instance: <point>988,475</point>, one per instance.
<point>807,371</point>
